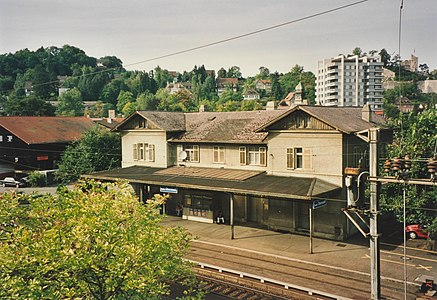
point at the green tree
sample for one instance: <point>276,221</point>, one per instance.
<point>112,62</point>
<point>277,92</point>
<point>162,77</point>
<point>28,106</point>
<point>416,136</point>
<point>221,73</point>
<point>97,150</point>
<point>250,105</point>
<point>264,73</point>
<point>147,101</point>
<point>70,103</point>
<point>111,91</point>
<point>358,51</point>
<point>230,95</point>
<point>129,108</point>
<point>123,98</point>
<point>385,57</point>
<point>234,72</point>
<point>96,241</point>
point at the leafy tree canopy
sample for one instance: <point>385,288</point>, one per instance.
<point>93,242</point>
<point>28,106</point>
<point>70,103</point>
<point>97,150</point>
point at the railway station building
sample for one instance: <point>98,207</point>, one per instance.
<point>281,170</point>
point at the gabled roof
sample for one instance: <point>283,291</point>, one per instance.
<point>46,130</point>
<point>253,184</point>
<point>265,81</point>
<point>229,127</point>
<point>226,81</point>
<point>344,119</point>
<point>167,121</point>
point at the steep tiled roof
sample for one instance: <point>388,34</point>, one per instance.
<point>221,82</point>
<point>230,127</point>
<point>168,121</point>
<point>46,130</point>
<point>344,119</point>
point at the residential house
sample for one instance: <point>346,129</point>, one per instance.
<point>174,88</point>
<point>404,104</point>
<point>264,84</point>
<point>224,84</point>
<point>269,166</point>
<point>36,143</point>
<point>250,94</point>
<point>293,98</point>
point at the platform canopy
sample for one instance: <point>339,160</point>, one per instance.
<point>222,180</point>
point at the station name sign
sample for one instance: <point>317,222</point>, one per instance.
<point>168,190</point>
<point>319,203</point>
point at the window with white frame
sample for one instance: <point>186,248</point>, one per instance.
<point>144,152</point>
<point>299,158</point>
<point>218,154</point>
<point>192,153</point>
<point>253,155</point>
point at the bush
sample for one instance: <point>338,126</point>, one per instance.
<point>37,179</point>
<point>96,241</point>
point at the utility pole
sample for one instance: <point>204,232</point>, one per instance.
<point>401,168</point>
<point>374,212</point>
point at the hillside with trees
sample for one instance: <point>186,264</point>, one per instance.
<point>32,81</point>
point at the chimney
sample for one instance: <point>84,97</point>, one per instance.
<point>270,105</point>
<point>366,113</point>
<point>111,113</point>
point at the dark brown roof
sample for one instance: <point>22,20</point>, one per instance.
<point>228,127</point>
<point>221,82</point>
<point>344,119</point>
<point>259,185</point>
<point>46,130</point>
<point>168,121</point>
<point>108,123</point>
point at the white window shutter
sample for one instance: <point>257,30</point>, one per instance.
<point>151,152</point>
<point>262,156</point>
<point>290,158</point>
<point>307,158</point>
<point>135,151</point>
<point>242,155</point>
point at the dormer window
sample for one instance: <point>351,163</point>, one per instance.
<point>142,123</point>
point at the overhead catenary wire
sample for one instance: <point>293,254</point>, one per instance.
<point>218,42</point>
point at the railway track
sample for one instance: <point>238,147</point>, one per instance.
<point>234,285</point>
<point>336,282</point>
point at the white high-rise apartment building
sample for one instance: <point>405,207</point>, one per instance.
<point>350,81</point>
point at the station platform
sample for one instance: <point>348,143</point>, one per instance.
<point>351,255</point>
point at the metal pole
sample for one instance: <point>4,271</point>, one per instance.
<point>405,245</point>
<point>374,210</point>
<point>311,228</point>
<point>232,215</point>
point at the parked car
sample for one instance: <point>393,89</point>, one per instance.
<point>416,230</point>
<point>11,181</point>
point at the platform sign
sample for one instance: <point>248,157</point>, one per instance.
<point>319,203</point>
<point>168,190</point>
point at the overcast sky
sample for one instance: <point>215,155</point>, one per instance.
<point>138,30</point>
